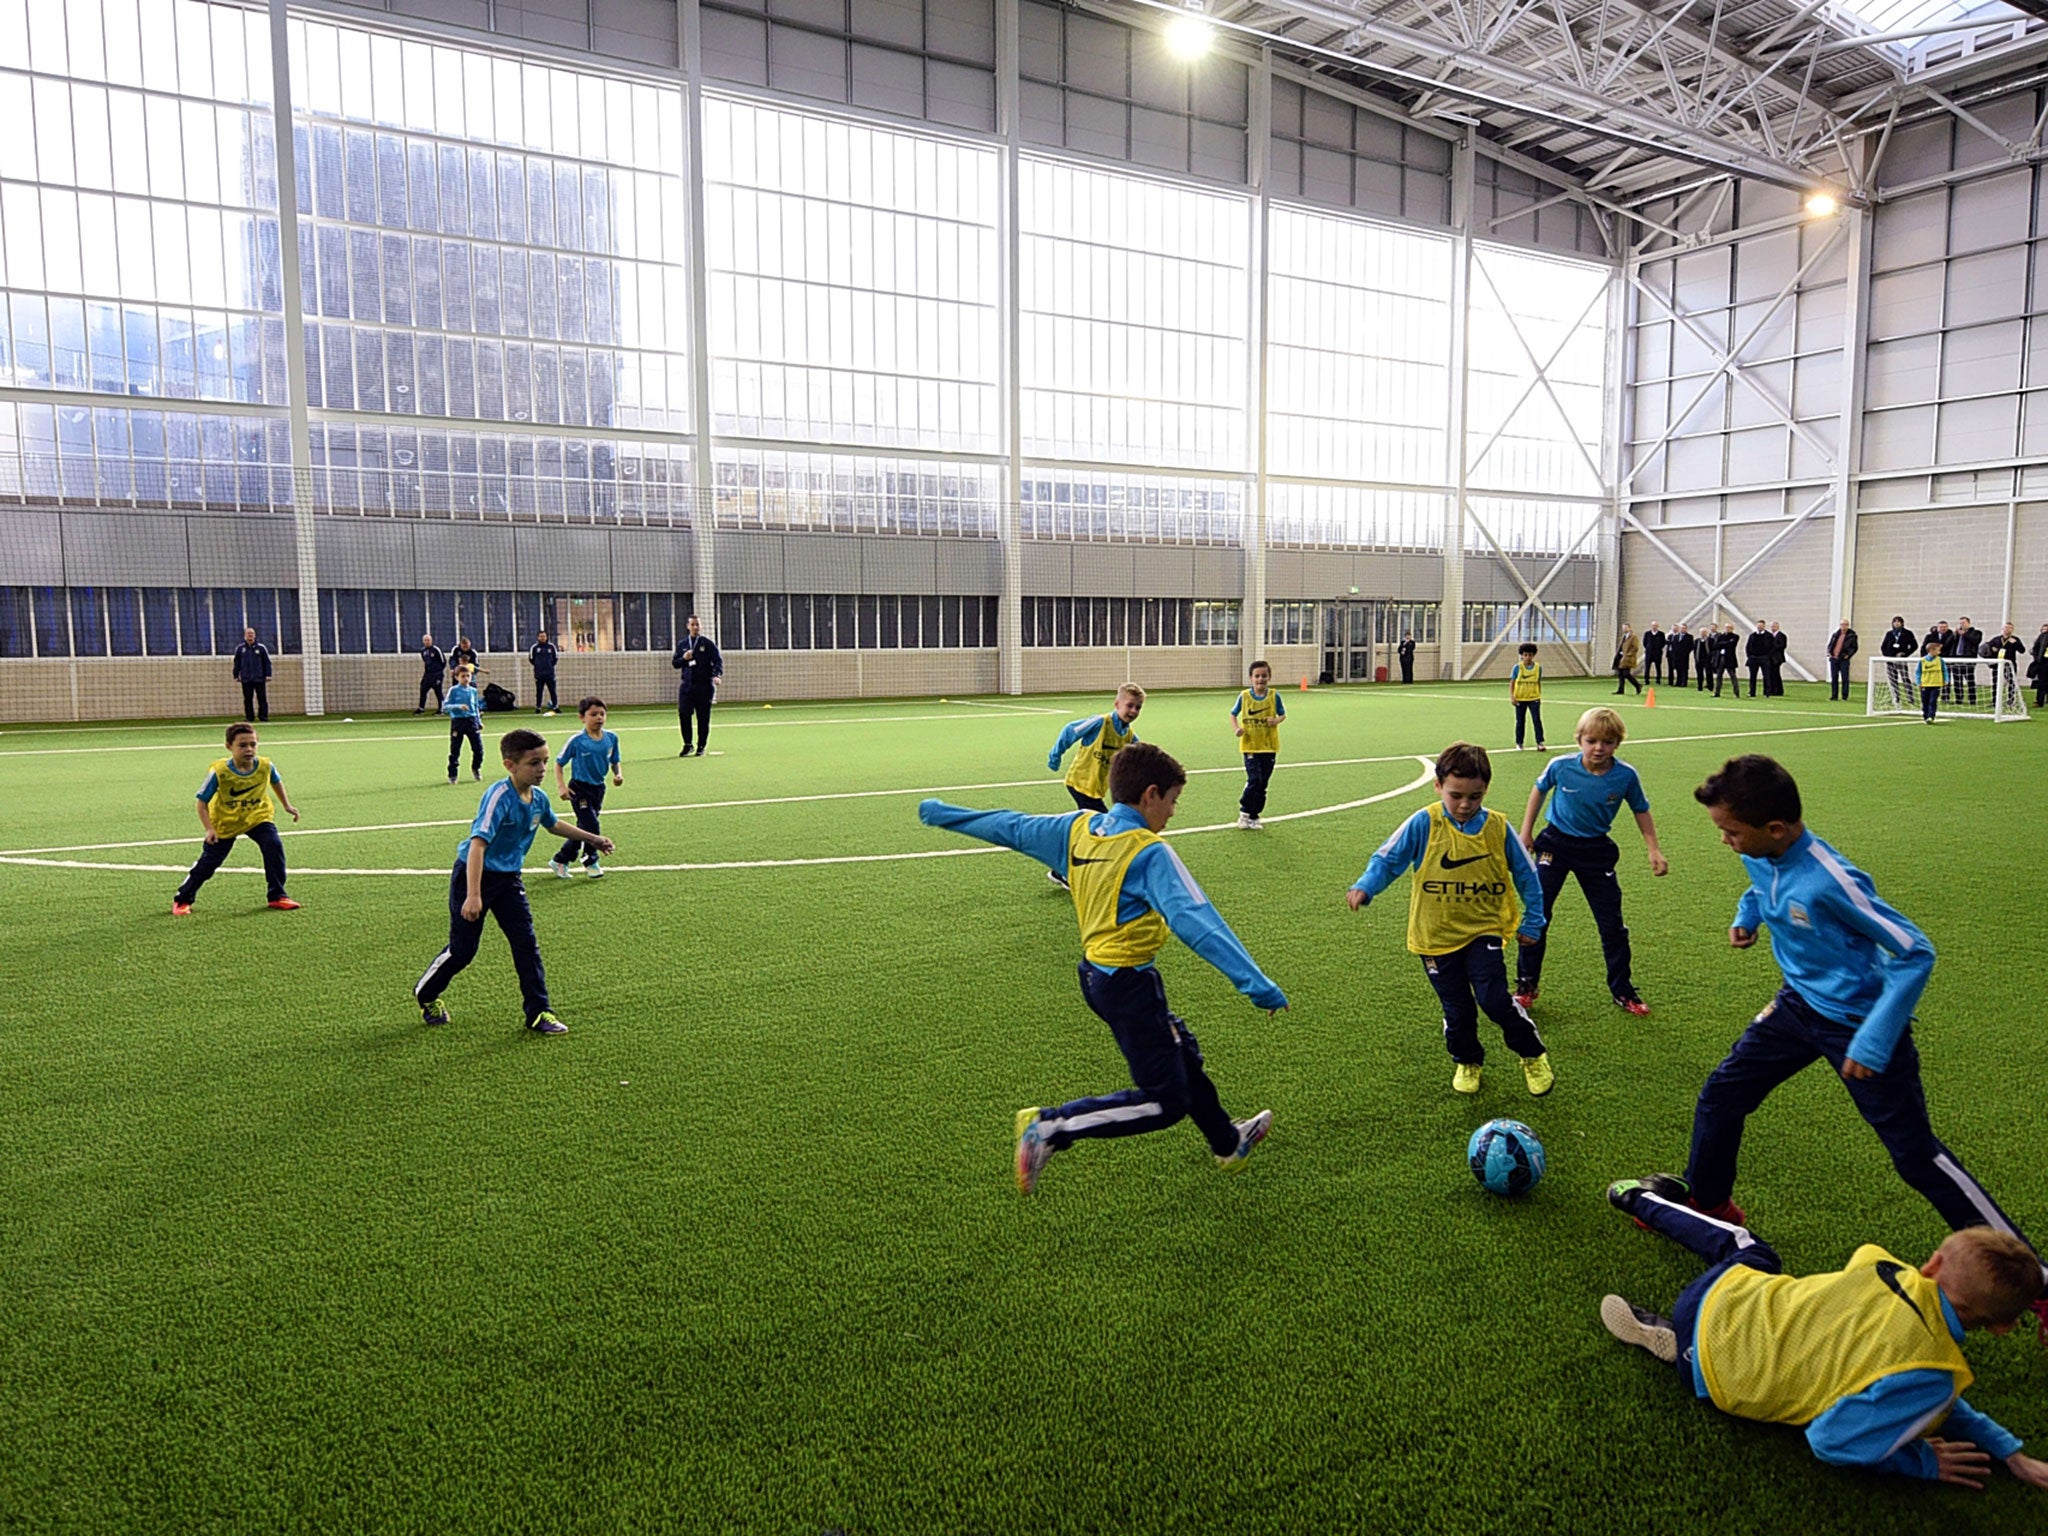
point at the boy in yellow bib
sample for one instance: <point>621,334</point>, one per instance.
<point>1099,739</point>
<point>1130,891</point>
<point>1256,718</point>
<point>1868,1360</point>
<point>1461,912</point>
<point>1525,690</point>
<point>235,802</point>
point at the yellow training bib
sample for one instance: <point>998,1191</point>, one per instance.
<point>1096,867</point>
<point>1261,721</point>
<point>1461,891</point>
<point>1090,773</point>
<point>1784,1350</point>
<point>1930,672</point>
<point>1527,686</point>
<point>240,800</point>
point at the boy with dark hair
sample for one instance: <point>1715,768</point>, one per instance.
<point>487,879</point>
<point>591,751</point>
<point>1256,718</point>
<point>233,802</point>
<point>1130,891</point>
<point>1854,970</point>
<point>1525,689</point>
<point>465,723</point>
<point>1587,793</point>
<point>1460,913</point>
<point>1868,1360</point>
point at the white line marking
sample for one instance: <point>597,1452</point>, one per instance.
<point>1019,709</point>
<point>648,869</point>
<point>1703,709</point>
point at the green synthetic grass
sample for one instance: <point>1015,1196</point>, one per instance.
<point>743,1252</point>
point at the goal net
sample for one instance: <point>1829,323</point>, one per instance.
<point>1978,688</point>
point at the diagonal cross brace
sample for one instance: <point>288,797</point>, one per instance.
<point>1532,597</point>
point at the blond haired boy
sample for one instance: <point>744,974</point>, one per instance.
<point>1586,793</point>
<point>1099,739</point>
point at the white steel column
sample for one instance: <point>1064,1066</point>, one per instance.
<point>1450,626</point>
<point>703,515</point>
<point>1842,484</point>
<point>1259,161</point>
<point>1010,610</point>
<point>1614,429</point>
<point>305,532</point>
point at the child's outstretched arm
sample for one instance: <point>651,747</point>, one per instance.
<point>1083,731</point>
<point>1659,865</point>
<point>1397,855</point>
<point>1043,838</point>
<point>1162,881</point>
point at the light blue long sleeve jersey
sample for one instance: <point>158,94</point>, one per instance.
<point>1085,732</point>
<point>1156,881</point>
<point>461,703</point>
<point>1882,1426</point>
<point>1841,947</point>
<point>1404,850</point>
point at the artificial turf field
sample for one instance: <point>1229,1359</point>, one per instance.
<point>743,1250</point>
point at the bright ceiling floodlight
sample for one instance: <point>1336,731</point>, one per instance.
<point>1189,36</point>
<point>1822,205</point>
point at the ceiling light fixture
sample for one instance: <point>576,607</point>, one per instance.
<point>1189,35</point>
<point>1822,205</point>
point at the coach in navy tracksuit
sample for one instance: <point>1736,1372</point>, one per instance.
<point>252,671</point>
<point>542,657</point>
<point>701,666</point>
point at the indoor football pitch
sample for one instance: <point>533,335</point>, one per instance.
<point>743,1250</point>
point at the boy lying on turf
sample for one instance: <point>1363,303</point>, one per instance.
<point>1867,1359</point>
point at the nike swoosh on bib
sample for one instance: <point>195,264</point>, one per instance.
<point>1461,863</point>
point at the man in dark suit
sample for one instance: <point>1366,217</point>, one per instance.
<point>1731,646</point>
<point>252,671</point>
<point>1898,641</point>
<point>1756,650</point>
<point>1969,645</point>
<point>1406,651</point>
<point>2039,670</point>
<point>1654,640</point>
<point>1774,664</point>
<point>701,666</point>
<point>1841,651</point>
<point>1678,647</point>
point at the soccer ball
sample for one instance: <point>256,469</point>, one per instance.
<point>1506,1157</point>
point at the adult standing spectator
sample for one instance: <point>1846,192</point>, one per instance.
<point>2039,670</point>
<point>1678,647</point>
<point>1628,655</point>
<point>1841,651</point>
<point>2006,646</point>
<point>702,667</point>
<point>1898,641</point>
<point>252,671</point>
<point>433,667</point>
<point>1774,664</point>
<point>1406,651</point>
<point>542,656</point>
<point>464,654</point>
<point>1969,644</point>
<point>1731,646</point>
<point>1756,650</point>
<point>1707,657</point>
<point>1653,653</point>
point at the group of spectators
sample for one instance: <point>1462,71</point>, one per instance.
<point>1965,642</point>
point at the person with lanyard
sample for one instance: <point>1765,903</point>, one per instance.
<point>252,671</point>
<point>697,659</point>
<point>1898,645</point>
<point>434,666</point>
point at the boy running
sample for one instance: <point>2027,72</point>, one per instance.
<point>1099,738</point>
<point>1130,890</point>
<point>1854,970</point>
<point>1525,687</point>
<point>486,879</point>
<point>1868,1359</point>
<point>1589,791</point>
<point>591,750</point>
<point>465,723</point>
<point>1256,718</point>
<point>233,802</point>
<point>1460,913</point>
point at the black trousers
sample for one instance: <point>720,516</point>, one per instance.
<point>586,799</point>
<point>694,706</point>
<point>1170,1083</point>
<point>1624,678</point>
<point>1961,678</point>
<point>1653,669</point>
<point>504,899</point>
<point>1528,710</point>
<point>1472,978</point>
<point>1407,669</point>
<point>1838,678</point>
<point>256,700</point>
<point>1756,670</point>
<point>1930,701</point>
<point>1258,773</point>
<point>1560,856</point>
<point>1085,802</point>
<point>471,731</point>
<point>545,685</point>
<point>1679,670</point>
<point>431,685</point>
<point>1774,680</point>
<point>264,835</point>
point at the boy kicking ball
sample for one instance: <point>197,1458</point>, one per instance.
<point>1459,912</point>
<point>1130,890</point>
<point>591,751</point>
<point>235,802</point>
<point>487,879</point>
<point>1868,1359</point>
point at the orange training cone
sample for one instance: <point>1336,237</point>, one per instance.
<point>1650,697</point>
<point>1304,684</point>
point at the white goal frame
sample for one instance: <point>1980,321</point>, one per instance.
<point>1999,688</point>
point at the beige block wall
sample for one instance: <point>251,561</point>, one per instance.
<point>1052,669</point>
<point>2029,609</point>
<point>1928,566</point>
<point>1790,586</point>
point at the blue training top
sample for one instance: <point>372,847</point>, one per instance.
<point>1841,947</point>
<point>461,703</point>
<point>1584,803</point>
<point>589,756</point>
<point>508,826</point>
